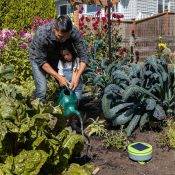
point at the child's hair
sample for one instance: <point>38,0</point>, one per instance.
<point>70,49</point>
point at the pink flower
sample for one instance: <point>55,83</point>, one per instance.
<point>23,46</point>
<point>6,34</point>
<point>38,21</point>
<point>2,45</point>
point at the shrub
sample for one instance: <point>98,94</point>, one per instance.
<point>15,52</point>
<point>20,14</point>
<point>115,139</point>
<point>167,137</point>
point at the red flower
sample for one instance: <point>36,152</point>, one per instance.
<point>87,19</point>
<point>98,12</point>
<point>104,19</point>
<point>95,24</point>
<point>114,15</point>
<point>95,28</point>
<point>82,18</point>
<point>81,24</point>
<point>81,10</point>
<point>117,15</point>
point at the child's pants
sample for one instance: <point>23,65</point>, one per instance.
<point>68,74</point>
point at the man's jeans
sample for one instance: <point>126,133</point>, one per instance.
<point>39,77</point>
<point>41,83</point>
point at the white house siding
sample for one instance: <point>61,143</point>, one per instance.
<point>131,9</point>
<point>137,8</point>
<point>146,8</point>
<point>128,8</point>
<point>172,6</point>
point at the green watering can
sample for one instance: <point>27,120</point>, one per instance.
<point>68,100</point>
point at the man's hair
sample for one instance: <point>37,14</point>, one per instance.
<point>63,23</point>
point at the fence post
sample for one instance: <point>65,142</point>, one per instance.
<point>133,26</point>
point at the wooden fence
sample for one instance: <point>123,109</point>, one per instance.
<point>147,32</point>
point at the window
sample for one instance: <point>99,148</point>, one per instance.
<point>63,9</point>
<point>166,5</point>
<point>92,8</point>
<point>160,6</point>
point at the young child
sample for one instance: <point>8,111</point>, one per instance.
<point>68,66</point>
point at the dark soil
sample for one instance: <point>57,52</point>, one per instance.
<point>115,162</point>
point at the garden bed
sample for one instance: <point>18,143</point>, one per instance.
<point>114,162</point>
<point>111,161</point>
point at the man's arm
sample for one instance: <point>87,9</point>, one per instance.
<point>81,50</point>
<point>79,46</point>
<point>47,68</point>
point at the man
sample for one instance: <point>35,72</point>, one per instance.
<point>44,53</point>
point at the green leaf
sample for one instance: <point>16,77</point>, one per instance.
<point>159,112</point>
<point>132,125</point>
<point>38,141</point>
<point>76,169</point>
<point>144,119</point>
<point>70,142</point>
<point>150,104</point>
<point>29,162</point>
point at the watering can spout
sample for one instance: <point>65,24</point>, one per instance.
<point>71,111</point>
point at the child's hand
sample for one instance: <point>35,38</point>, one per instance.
<point>74,82</point>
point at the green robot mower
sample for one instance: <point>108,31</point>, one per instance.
<point>140,152</point>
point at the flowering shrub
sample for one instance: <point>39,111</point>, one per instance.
<point>96,24</point>
<point>163,50</point>
<point>38,21</point>
<point>14,50</point>
<point>5,36</point>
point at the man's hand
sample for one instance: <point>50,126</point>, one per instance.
<point>62,81</point>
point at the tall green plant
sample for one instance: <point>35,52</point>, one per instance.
<point>14,54</point>
<point>19,14</point>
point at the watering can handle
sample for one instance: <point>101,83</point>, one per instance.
<point>67,87</point>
